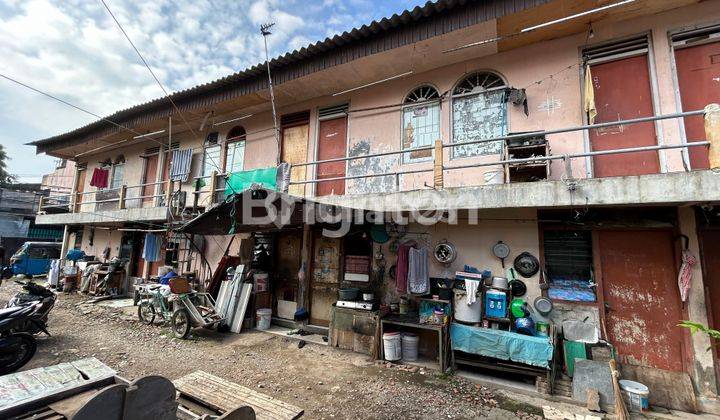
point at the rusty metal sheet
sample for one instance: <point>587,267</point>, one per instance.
<point>640,290</point>
<point>622,91</point>
<point>294,150</point>
<point>698,72</point>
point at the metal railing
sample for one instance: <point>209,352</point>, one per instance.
<point>74,202</point>
<point>438,148</point>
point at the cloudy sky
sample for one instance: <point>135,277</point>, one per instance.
<point>73,50</point>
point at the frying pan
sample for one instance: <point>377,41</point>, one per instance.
<point>501,250</point>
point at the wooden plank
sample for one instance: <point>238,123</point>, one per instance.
<point>223,396</point>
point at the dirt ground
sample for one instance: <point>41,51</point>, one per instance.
<point>325,382</point>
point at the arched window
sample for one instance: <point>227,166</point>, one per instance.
<point>478,112</point>
<point>420,122</point>
<point>235,149</point>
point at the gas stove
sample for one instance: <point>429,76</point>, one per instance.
<point>365,306</point>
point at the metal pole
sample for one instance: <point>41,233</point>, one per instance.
<point>265,31</point>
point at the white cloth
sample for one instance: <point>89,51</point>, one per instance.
<point>418,271</point>
<point>471,288</point>
<point>54,273</point>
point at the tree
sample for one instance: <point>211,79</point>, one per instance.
<point>5,177</point>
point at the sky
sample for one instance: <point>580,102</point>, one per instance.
<point>73,50</point>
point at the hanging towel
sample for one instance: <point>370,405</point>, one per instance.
<point>685,274</point>
<point>418,278</point>
<point>589,96</point>
<point>100,178</point>
<point>401,268</point>
<point>180,167</point>
<point>151,249</point>
<point>471,288</point>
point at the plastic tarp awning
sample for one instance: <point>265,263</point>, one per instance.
<point>241,181</point>
<point>504,345</point>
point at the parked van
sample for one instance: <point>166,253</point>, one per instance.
<point>33,258</point>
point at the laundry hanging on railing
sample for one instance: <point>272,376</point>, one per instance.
<point>237,182</point>
<point>100,178</point>
<point>180,168</point>
<point>589,96</point>
<point>151,249</point>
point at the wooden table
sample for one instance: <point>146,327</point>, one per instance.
<point>411,322</point>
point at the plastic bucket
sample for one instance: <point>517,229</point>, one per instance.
<point>495,304</point>
<point>263,318</point>
<point>636,394</point>
<point>392,346</point>
<point>410,347</point>
<point>464,312</point>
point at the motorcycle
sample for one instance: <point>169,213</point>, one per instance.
<point>16,346</point>
<point>33,293</point>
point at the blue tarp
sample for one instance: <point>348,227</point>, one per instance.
<point>504,345</point>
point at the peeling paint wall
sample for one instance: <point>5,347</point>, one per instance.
<point>372,165</point>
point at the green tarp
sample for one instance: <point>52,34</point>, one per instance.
<point>240,181</point>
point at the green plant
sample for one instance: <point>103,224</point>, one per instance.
<point>695,327</point>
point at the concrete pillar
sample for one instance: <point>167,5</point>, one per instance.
<point>64,246</point>
<point>438,165</point>
<point>703,371</point>
<point>303,296</point>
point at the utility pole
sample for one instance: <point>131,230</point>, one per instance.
<point>265,31</point>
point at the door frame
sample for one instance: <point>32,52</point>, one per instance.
<point>676,82</point>
<point>316,139</point>
<point>706,291</point>
<point>654,89</point>
<point>687,355</point>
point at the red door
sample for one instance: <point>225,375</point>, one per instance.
<point>698,71</point>
<point>641,297</point>
<point>622,91</point>
<point>332,142</point>
<point>151,163</point>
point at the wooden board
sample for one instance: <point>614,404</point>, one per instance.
<point>223,396</point>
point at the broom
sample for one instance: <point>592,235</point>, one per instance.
<point>621,412</point>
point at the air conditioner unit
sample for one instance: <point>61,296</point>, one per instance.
<point>178,203</point>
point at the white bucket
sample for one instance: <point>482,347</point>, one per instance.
<point>410,347</point>
<point>392,346</point>
<point>464,312</point>
<point>636,394</point>
<point>263,318</point>
<point>494,176</point>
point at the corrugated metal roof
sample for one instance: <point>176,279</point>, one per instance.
<point>432,19</point>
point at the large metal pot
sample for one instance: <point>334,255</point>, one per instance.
<point>349,293</point>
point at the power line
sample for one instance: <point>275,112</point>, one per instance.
<point>167,95</point>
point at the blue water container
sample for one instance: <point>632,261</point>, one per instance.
<point>495,304</point>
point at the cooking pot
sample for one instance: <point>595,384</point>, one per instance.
<point>367,297</point>
<point>500,283</point>
<point>349,294</point>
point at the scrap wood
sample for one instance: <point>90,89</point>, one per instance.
<point>223,396</point>
<point>621,412</point>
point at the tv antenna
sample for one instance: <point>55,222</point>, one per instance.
<point>265,31</point>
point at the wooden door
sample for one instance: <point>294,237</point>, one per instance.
<point>332,143</point>
<point>698,72</point>
<point>294,150</point>
<point>79,189</point>
<point>641,296</point>
<point>622,91</point>
<point>710,260</point>
<point>325,280</point>
<point>151,164</point>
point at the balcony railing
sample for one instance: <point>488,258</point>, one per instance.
<point>133,196</point>
<point>439,167</point>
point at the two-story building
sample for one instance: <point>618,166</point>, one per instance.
<point>572,130</point>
